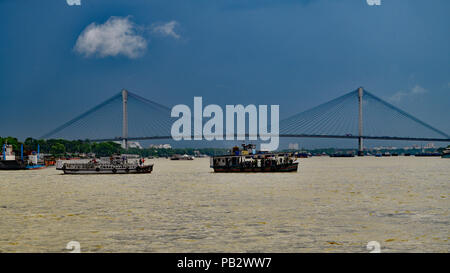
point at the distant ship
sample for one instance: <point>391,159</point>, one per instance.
<point>446,153</point>
<point>9,160</point>
<point>342,155</point>
<point>182,157</point>
<point>428,154</point>
<point>250,160</point>
<point>302,155</point>
<point>116,164</point>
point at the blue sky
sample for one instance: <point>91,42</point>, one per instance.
<point>297,54</point>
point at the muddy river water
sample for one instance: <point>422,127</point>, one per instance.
<point>330,205</point>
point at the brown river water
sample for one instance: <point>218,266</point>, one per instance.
<point>330,205</point>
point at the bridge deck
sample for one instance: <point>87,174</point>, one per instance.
<point>296,136</point>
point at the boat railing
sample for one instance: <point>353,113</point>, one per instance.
<point>87,165</point>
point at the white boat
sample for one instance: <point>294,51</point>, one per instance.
<point>117,164</point>
<point>182,157</point>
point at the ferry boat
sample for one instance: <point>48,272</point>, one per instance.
<point>250,160</point>
<point>116,164</point>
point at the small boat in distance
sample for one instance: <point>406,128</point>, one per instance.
<point>181,157</point>
<point>428,154</point>
<point>116,164</point>
<point>250,160</point>
<point>340,154</point>
<point>302,155</point>
<point>446,153</point>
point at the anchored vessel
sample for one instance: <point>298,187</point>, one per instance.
<point>250,160</point>
<point>9,160</point>
<point>117,164</point>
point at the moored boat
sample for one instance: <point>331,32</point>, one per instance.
<point>446,153</point>
<point>250,160</point>
<point>9,160</point>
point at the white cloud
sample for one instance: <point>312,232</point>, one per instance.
<point>166,29</point>
<point>418,90</point>
<point>402,95</point>
<point>73,2</point>
<point>117,36</point>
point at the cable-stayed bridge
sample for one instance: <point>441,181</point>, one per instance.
<point>356,115</point>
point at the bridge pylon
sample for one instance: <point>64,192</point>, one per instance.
<point>360,122</point>
<point>124,119</point>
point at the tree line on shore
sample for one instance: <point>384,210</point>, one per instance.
<point>63,147</point>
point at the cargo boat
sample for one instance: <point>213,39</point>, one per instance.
<point>117,164</point>
<point>250,160</point>
<point>9,160</point>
